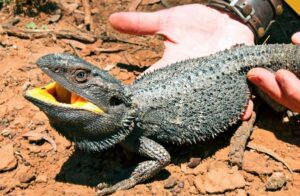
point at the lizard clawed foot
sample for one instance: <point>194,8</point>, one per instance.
<point>105,189</point>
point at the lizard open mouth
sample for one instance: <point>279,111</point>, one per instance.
<point>57,95</point>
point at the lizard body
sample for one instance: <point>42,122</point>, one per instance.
<point>186,102</point>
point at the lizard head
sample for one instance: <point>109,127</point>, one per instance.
<point>85,104</point>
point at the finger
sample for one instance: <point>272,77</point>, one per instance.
<point>136,22</point>
<point>290,86</point>
<point>248,112</point>
<point>296,38</point>
<point>266,81</point>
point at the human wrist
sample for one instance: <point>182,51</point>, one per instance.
<point>235,30</point>
<point>258,15</point>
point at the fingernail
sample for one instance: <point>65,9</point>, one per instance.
<point>251,73</point>
<point>296,38</point>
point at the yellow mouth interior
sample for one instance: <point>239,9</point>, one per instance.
<point>55,94</point>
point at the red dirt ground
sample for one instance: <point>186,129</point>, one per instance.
<point>35,169</point>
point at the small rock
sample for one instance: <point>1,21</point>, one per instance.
<point>34,149</point>
<point>42,179</point>
<point>181,184</point>
<point>2,187</point>
<point>25,175</point>
<point>276,181</point>
<point>6,133</point>
<point>42,155</point>
<point>193,190</point>
<point>54,18</point>
<point>79,18</point>
<point>194,162</point>
<point>170,182</point>
<point>8,160</point>
<point>218,179</point>
<point>95,11</point>
<point>26,85</point>
<point>109,67</point>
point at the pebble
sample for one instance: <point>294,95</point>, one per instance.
<point>42,179</point>
<point>34,149</point>
<point>181,184</point>
<point>6,133</point>
<point>95,11</point>
<point>8,160</point>
<point>194,162</point>
<point>170,182</point>
<point>25,175</point>
<point>55,18</point>
<point>26,86</point>
<point>276,181</point>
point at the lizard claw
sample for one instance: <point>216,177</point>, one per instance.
<point>103,189</point>
<point>293,117</point>
<point>102,185</point>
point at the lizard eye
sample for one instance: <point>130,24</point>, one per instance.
<point>81,75</point>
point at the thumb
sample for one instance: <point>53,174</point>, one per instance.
<point>138,23</point>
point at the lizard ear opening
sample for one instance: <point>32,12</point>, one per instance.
<point>115,101</point>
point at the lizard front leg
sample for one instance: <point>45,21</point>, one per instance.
<point>145,147</point>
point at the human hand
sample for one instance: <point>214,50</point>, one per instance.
<point>283,86</point>
<point>189,31</point>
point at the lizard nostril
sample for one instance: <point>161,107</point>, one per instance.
<point>114,101</point>
<point>57,70</point>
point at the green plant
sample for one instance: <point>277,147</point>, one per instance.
<point>31,25</point>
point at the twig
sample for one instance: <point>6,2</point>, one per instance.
<point>80,36</point>
<point>11,23</point>
<point>60,34</point>
<point>166,3</point>
<point>134,5</point>
<point>87,15</point>
<point>89,51</point>
<point>74,49</point>
<point>113,38</point>
<point>270,153</point>
<point>109,50</point>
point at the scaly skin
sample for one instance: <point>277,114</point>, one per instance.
<point>186,102</point>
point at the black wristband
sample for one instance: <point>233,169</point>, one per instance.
<point>257,14</point>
